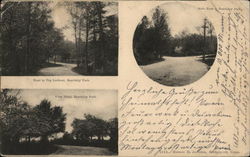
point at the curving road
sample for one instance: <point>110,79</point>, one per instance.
<point>81,150</point>
<point>65,69</point>
<point>176,71</point>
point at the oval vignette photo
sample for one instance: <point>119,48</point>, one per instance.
<point>175,44</point>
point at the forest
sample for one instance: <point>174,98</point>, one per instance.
<point>30,41</point>
<point>27,129</point>
<point>153,39</point>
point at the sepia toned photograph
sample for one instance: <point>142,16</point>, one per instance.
<point>58,122</point>
<point>53,38</point>
<point>175,44</point>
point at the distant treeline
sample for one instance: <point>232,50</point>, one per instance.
<point>193,44</point>
<point>26,129</point>
<point>92,131</point>
<point>153,39</point>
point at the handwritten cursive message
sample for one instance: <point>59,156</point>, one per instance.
<point>233,72</point>
<point>174,121</point>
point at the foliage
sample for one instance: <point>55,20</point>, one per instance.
<point>193,44</point>
<point>84,130</point>
<point>24,128</point>
<point>96,37</point>
<point>152,39</point>
<point>13,114</point>
<point>91,126</point>
<point>28,37</point>
<point>19,121</point>
<point>50,119</point>
<point>113,133</point>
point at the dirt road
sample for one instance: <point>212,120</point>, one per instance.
<point>64,69</point>
<point>81,150</point>
<point>176,71</point>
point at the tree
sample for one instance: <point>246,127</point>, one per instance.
<point>113,133</point>
<point>111,44</point>
<point>212,42</point>
<point>138,41</point>
<point>90,126</point>
<point>100,50</point>
<point>87,21</point>
<point>83,130</point>
<point>152,39</point>
<point>13,118</point>
<point>50,119</point>
<point>80,13</point>
<point>204,26</point>
<point>19,121</point>
<point>100,11</point>
<point>76,22</point>
<point>162,33</point>
<point>100,126</point>
<point>53,44</point>
<point>24,27</point>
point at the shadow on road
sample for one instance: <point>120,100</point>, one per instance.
<point>209,60</point>
<point>81,150</point>
<point>81,71</point>
<point>47,65</point>
<point>152,61</point>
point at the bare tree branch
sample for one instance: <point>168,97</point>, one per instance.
<point>2,5</point>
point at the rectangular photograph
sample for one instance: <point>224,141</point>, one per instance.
<point>58,122</point>
<point>59,38</point>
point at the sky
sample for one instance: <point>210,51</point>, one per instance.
<point>102,103</point>
<point>182,17</point>
<point>62,18</point>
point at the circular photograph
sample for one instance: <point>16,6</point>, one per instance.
<point>175,44</point>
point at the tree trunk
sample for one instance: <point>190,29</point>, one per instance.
<point>99,13</point>
<point>211,41</point>
<point>90,138</point>
<point>11,45</point>
<point>204,33</point>
<point>54,58</point>
<point>44,139</point>
<point>87,36</point>
<point>1,15</point>
<point>1,28</point>
<point>28,39</point>
<point>79,38</point>
<point>76,45</point>
<point>94,40</point>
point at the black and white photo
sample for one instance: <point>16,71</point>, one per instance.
<point>52,38</point>
<point>58,122</point>
<point>175,44</point>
